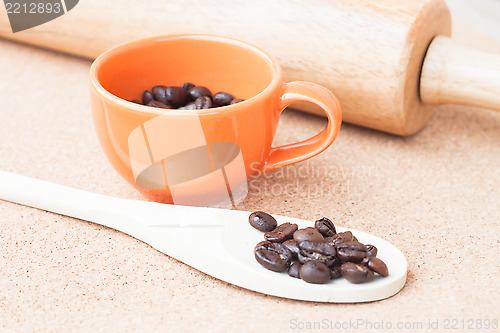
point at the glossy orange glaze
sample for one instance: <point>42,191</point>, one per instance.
<point>221,64</point>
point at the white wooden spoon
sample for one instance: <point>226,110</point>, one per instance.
<point>218,242</point>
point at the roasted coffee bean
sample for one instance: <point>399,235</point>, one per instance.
<point>222,99</point>
<point>319,259</point>
<point>335,272</point>
<point>355,273</point>
<point>184,97</point>
<point>319,247</point>
<point>293,246</point>
<point>271,260</point>
<point>137,101</point>
<point>276,247</point>
<point>158,104</point>
<point>236,100</point>
<point>371,250</point>
<point>282,233</point>
<point>325,227</point>
<point>160,94</point>
<point>317,251</point>
<point>351,251</point>
<point>305,256</point>
<point>199,91</point>
<point>187,87</point>
<point>294,269</point>
<point>376,265</point>
<point>188,106</point>
<point>339,238</point>
<point>203,102</point>
<point>262,244</point>
<point>147,97</point>
<point>176,96</point>
<point>273,256</point>
<point>262,221</point>
<point>314,272</point>
<point>308,234</point>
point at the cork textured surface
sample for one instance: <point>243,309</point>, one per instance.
<point>434,195</point>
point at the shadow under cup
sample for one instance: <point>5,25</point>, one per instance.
<point>189,157</point>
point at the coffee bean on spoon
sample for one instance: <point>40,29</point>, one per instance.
<point>317,251</point>
<point>308,234</point>
<point>222,99</point>
<point>356,273</point>
<point>325,227</point>
<point>158,104</point>
<point>271,260</point>
<point>262,244</point>
<point>147,96</point>
<point>371,250</point>
<point>136,101</point>
<point>318,248</point>
<point>376,265</point>
<point>262,221</point>
<point>203,102</point>
<point>340,237</point>
<point>335,272</point>
<point>294,269</point>
<point>319,259</point>
<point>315,272</point>
<point>282,233</point>
<point>176,96</point>
<point>199,91</point>
<point>351,251</point>
<point>160,94</point>
<point>293,246</point>
<point>273,256</point>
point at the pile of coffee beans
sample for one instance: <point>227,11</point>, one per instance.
<point>314,254</point>
<point>186,97</point>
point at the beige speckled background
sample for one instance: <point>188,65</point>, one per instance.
<point>435,195</point>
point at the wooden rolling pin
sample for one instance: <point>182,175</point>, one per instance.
<point>388,61</point>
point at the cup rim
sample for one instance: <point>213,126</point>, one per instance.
<point>98,62</point>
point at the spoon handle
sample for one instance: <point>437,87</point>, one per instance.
<point>51,197</point>
<point>116,213</point>
<point>140,219</point>
<point>182,232</point>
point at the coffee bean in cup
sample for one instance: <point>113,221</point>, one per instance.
<point>186,97</point>
<point>315,254</point>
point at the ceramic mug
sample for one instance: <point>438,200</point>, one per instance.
<point>198,157</point>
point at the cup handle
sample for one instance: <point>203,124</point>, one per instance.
<point>300,91</point>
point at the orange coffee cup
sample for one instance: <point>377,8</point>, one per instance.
<point>198,157</point>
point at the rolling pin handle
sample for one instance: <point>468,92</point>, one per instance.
<point>455,74</point>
